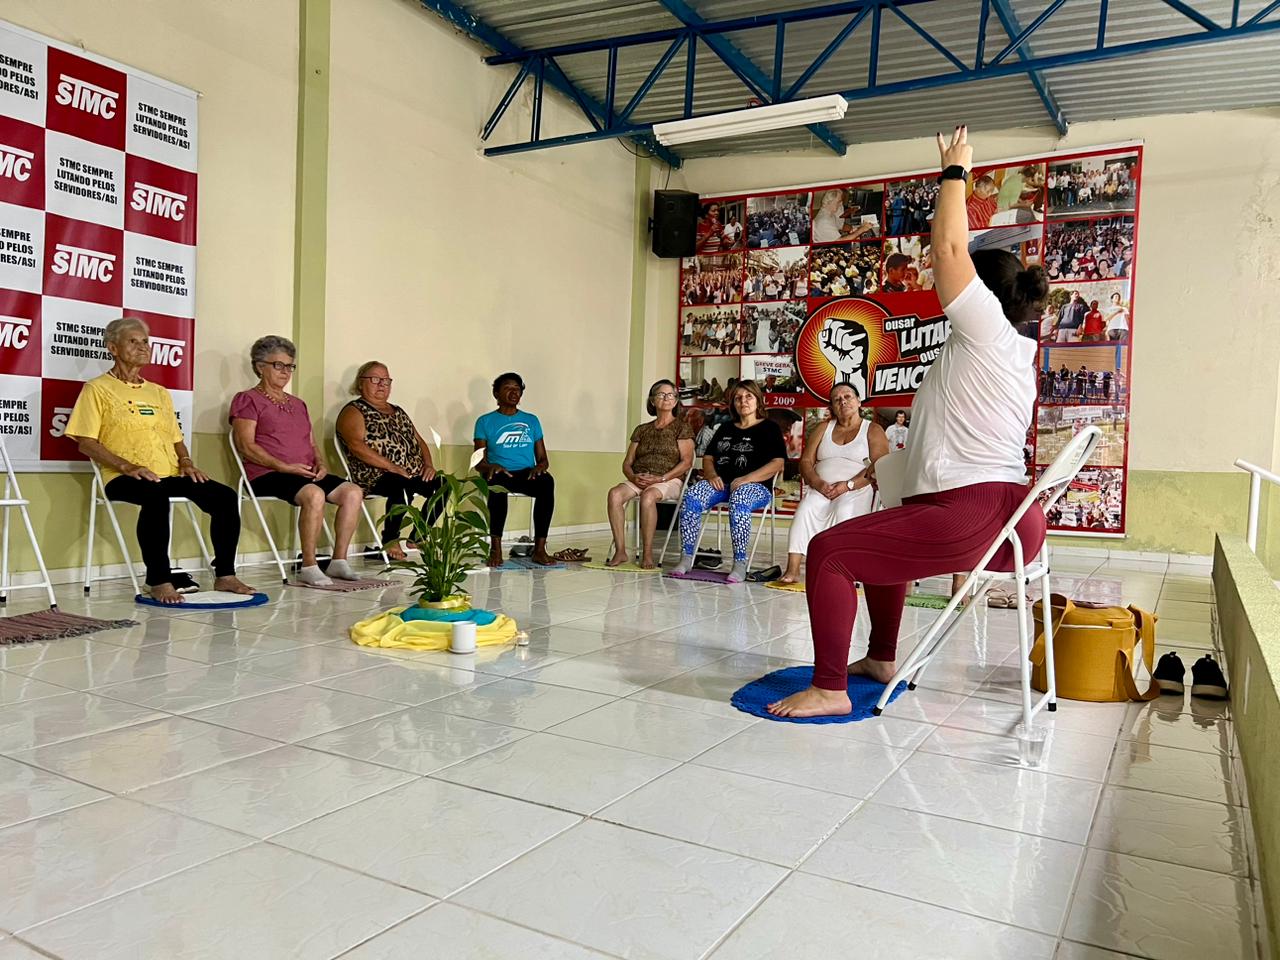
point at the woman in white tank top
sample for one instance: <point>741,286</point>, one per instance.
<point>835,474</point>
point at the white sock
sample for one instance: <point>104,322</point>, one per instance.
<point>738,573</point>
<point>341,570</point>
<point>685,564</point>
<point>314,576</point>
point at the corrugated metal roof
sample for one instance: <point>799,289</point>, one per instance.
<point>1219,76</point>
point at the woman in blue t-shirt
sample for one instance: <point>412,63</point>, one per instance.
<point>515,458</point>
<point>741,460</point>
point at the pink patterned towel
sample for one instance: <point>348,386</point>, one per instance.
<point>53,625</point>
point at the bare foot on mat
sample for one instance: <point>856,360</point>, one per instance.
<point>881,671</point>
<point>165,593</point>
<point>233,584</point>
<point>813,702</point>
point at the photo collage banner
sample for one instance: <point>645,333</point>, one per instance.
<point>802,288</point>
<point>97,220</point>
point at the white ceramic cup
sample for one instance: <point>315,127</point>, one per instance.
<point>463,638</point>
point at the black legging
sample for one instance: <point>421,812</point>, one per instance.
<point>215,499</point>
<point>543,490</point>
<point>400,490</point>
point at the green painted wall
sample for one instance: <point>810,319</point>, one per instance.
<point>1178,512</point>
<point>1249,621</point>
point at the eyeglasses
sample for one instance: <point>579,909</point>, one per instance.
<point>665,395</point>
<point>378,381</point>
<point>281,367</point>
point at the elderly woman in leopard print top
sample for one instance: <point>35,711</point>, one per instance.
<point>386,455</point>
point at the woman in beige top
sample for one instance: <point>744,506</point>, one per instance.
<point>659,456</point>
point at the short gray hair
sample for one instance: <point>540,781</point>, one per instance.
<point>263,347</point>
<point>116,329</point>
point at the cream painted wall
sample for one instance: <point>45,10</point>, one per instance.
<point>1207,340</point>
<point>242,56</point>
<point>452,267</point>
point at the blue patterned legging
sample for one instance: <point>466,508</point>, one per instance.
<point>702,496</point>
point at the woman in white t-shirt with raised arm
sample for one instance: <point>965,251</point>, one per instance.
<point>964,471</point>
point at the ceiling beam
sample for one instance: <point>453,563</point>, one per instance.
<point>1009,21</point>
<point>746,68</point>
<point>482,32</point>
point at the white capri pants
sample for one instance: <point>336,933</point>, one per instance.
<point>816,513</point>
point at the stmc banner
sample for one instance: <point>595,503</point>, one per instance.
<point>97,220</point>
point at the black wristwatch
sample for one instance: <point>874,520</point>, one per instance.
<point>954,172</point>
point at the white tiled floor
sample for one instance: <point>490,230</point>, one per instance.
<point>252,785</point>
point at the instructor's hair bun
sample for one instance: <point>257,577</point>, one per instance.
<point>1021,291</point>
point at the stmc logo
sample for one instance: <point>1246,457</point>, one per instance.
<point>15,332</point>
<point>158,202</point>
<point>15,164</point>
<point>83,263</point>
<point>167,353</point>
<point>90,98</point>
<point>58,425</point>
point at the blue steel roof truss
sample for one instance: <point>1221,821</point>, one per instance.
<point>1017,57</point>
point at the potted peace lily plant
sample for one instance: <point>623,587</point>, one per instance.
<point>457,542</point>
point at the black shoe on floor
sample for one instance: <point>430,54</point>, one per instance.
<point>765,575</point>
<point>1207,680</point>
<point>1170,673</point>
<point>183,582</point>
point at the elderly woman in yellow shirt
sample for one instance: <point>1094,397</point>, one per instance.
<point>127,425</point>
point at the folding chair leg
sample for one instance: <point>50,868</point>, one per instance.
<point>377,537</point>
<point>4,563</point>
<point>35,548</point>
<point>266,532</point>
<point>88,550</point>
<point>1024,644</point>
<point>1047,613</point>
<point>124,550</point>
<point>195,526</point>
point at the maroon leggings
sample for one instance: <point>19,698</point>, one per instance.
<point>929,535</point>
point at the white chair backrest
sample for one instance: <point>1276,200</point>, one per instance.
<point>891,478</point>
<point>1057,477</point>
<point>1052,484</point>
<point>342,454</point>
<point>235,452</point>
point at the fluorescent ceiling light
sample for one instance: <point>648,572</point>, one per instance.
<point>738,123</point>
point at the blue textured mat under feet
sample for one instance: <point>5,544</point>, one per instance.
<point>758,694</point>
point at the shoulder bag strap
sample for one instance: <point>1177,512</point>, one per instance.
<point>1145,626</point>
<point>1056,600</point>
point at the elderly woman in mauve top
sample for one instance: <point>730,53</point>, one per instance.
<point>272,432</point>
<point>386,456</point>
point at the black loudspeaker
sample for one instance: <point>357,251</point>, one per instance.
<point>675,223</point>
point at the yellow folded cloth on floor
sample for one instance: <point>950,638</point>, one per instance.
<point>388,631</point>
<point>793,587</point>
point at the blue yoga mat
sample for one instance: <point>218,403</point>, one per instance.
<point>192,602</point>
<point>758,694</point>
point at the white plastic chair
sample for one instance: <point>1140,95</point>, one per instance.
<point>245,492</point>
<point>13,498</point>
<point>1044,494</point>
<point>98,498</point>
<point>674,520</point>
<point>364,504</point>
